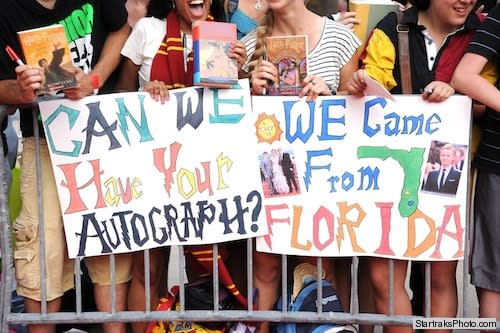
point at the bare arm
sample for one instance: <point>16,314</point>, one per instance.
<point>110,56</point>
<point>467,80</point>
<point>22,90</point>
<point>128,76</point>
<point>107,63</point>
<point>346,73</point>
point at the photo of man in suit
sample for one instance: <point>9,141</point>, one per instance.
<point>445,178</point>
<point>459,158</point>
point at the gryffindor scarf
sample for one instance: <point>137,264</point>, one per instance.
<point>201,259</point>
<point>168,63</point>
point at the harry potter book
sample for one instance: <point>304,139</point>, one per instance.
<point>47,48</point>
<point>369,13</point>
<point>289,55</point>
<point>211,44</point>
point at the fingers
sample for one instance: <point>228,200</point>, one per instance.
<point>158,91</point>
<point>348,19</point>
<point>83,88</point>
<point>437,91</point>
<point>29,80</point>
<point>356,84</point>
<point>262,77</point>
<point>314,86</point>
<point>238,52</point>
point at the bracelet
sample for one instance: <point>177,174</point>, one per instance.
<point>94,80</point>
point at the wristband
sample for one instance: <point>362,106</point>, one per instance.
<point>94,80</point>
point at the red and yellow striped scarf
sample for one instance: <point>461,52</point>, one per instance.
<point>168,63</point>
<point>201,256</point>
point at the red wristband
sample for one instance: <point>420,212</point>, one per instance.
<point>94,79</point>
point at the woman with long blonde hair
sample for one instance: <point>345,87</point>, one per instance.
<point>332,60</point>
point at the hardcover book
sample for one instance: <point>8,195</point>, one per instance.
<point>47,48</point>
<point>369,13</point>
<point>289,55</point>
<point>212,65</point>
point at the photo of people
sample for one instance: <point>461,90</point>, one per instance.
<point>444,167</point>
<point>278,173</point>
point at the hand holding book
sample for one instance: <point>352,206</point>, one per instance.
<point>28,79</point>
<point>314,86</point>
<point>47,49</point>
<point>263,76</point>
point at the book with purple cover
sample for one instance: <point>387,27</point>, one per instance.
<point>289,55</point>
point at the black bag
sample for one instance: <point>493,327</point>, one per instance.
<point>200,296</point>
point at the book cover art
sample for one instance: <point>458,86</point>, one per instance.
<point>212,65</point>
<point>289,55</point>
<point>47,48</point>
<point>369,13</point>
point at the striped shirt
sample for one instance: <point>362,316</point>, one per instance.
<point>335,48</point>
<point>486,42</point>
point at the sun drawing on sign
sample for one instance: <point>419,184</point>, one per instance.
<point>268,129</point>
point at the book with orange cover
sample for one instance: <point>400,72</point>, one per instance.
<point>212,65</point>
<point>369,13</point>
<point>47,48</point>
<point>289,55</point>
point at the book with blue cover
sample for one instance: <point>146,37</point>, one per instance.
<point>212,65</point>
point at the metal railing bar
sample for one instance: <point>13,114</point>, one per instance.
<point>42,260</point>
<point>5,242</point>
<point>78,284</point>
<point>250,292</point>
<point>197,315</point>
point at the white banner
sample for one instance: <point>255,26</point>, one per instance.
<point>135,174</point>
<point>359,165</point>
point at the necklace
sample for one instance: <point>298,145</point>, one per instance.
<point>258,5</point>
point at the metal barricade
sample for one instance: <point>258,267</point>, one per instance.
<point>79,316</point>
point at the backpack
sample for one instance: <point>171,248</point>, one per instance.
<point>303,298</point>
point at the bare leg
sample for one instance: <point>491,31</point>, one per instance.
<point>365,290</point>
<point>267,272</point>
<point>444,299</point>
<point>32,306</point>
<point>489,304</point>
<point>158,260</point>
<point>379,274</point>
<point>102,295</point>
<point>343,280</point>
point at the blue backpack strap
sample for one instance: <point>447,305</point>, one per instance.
<point>232,5</point>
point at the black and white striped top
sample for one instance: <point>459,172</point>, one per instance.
<point>335,48</point>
